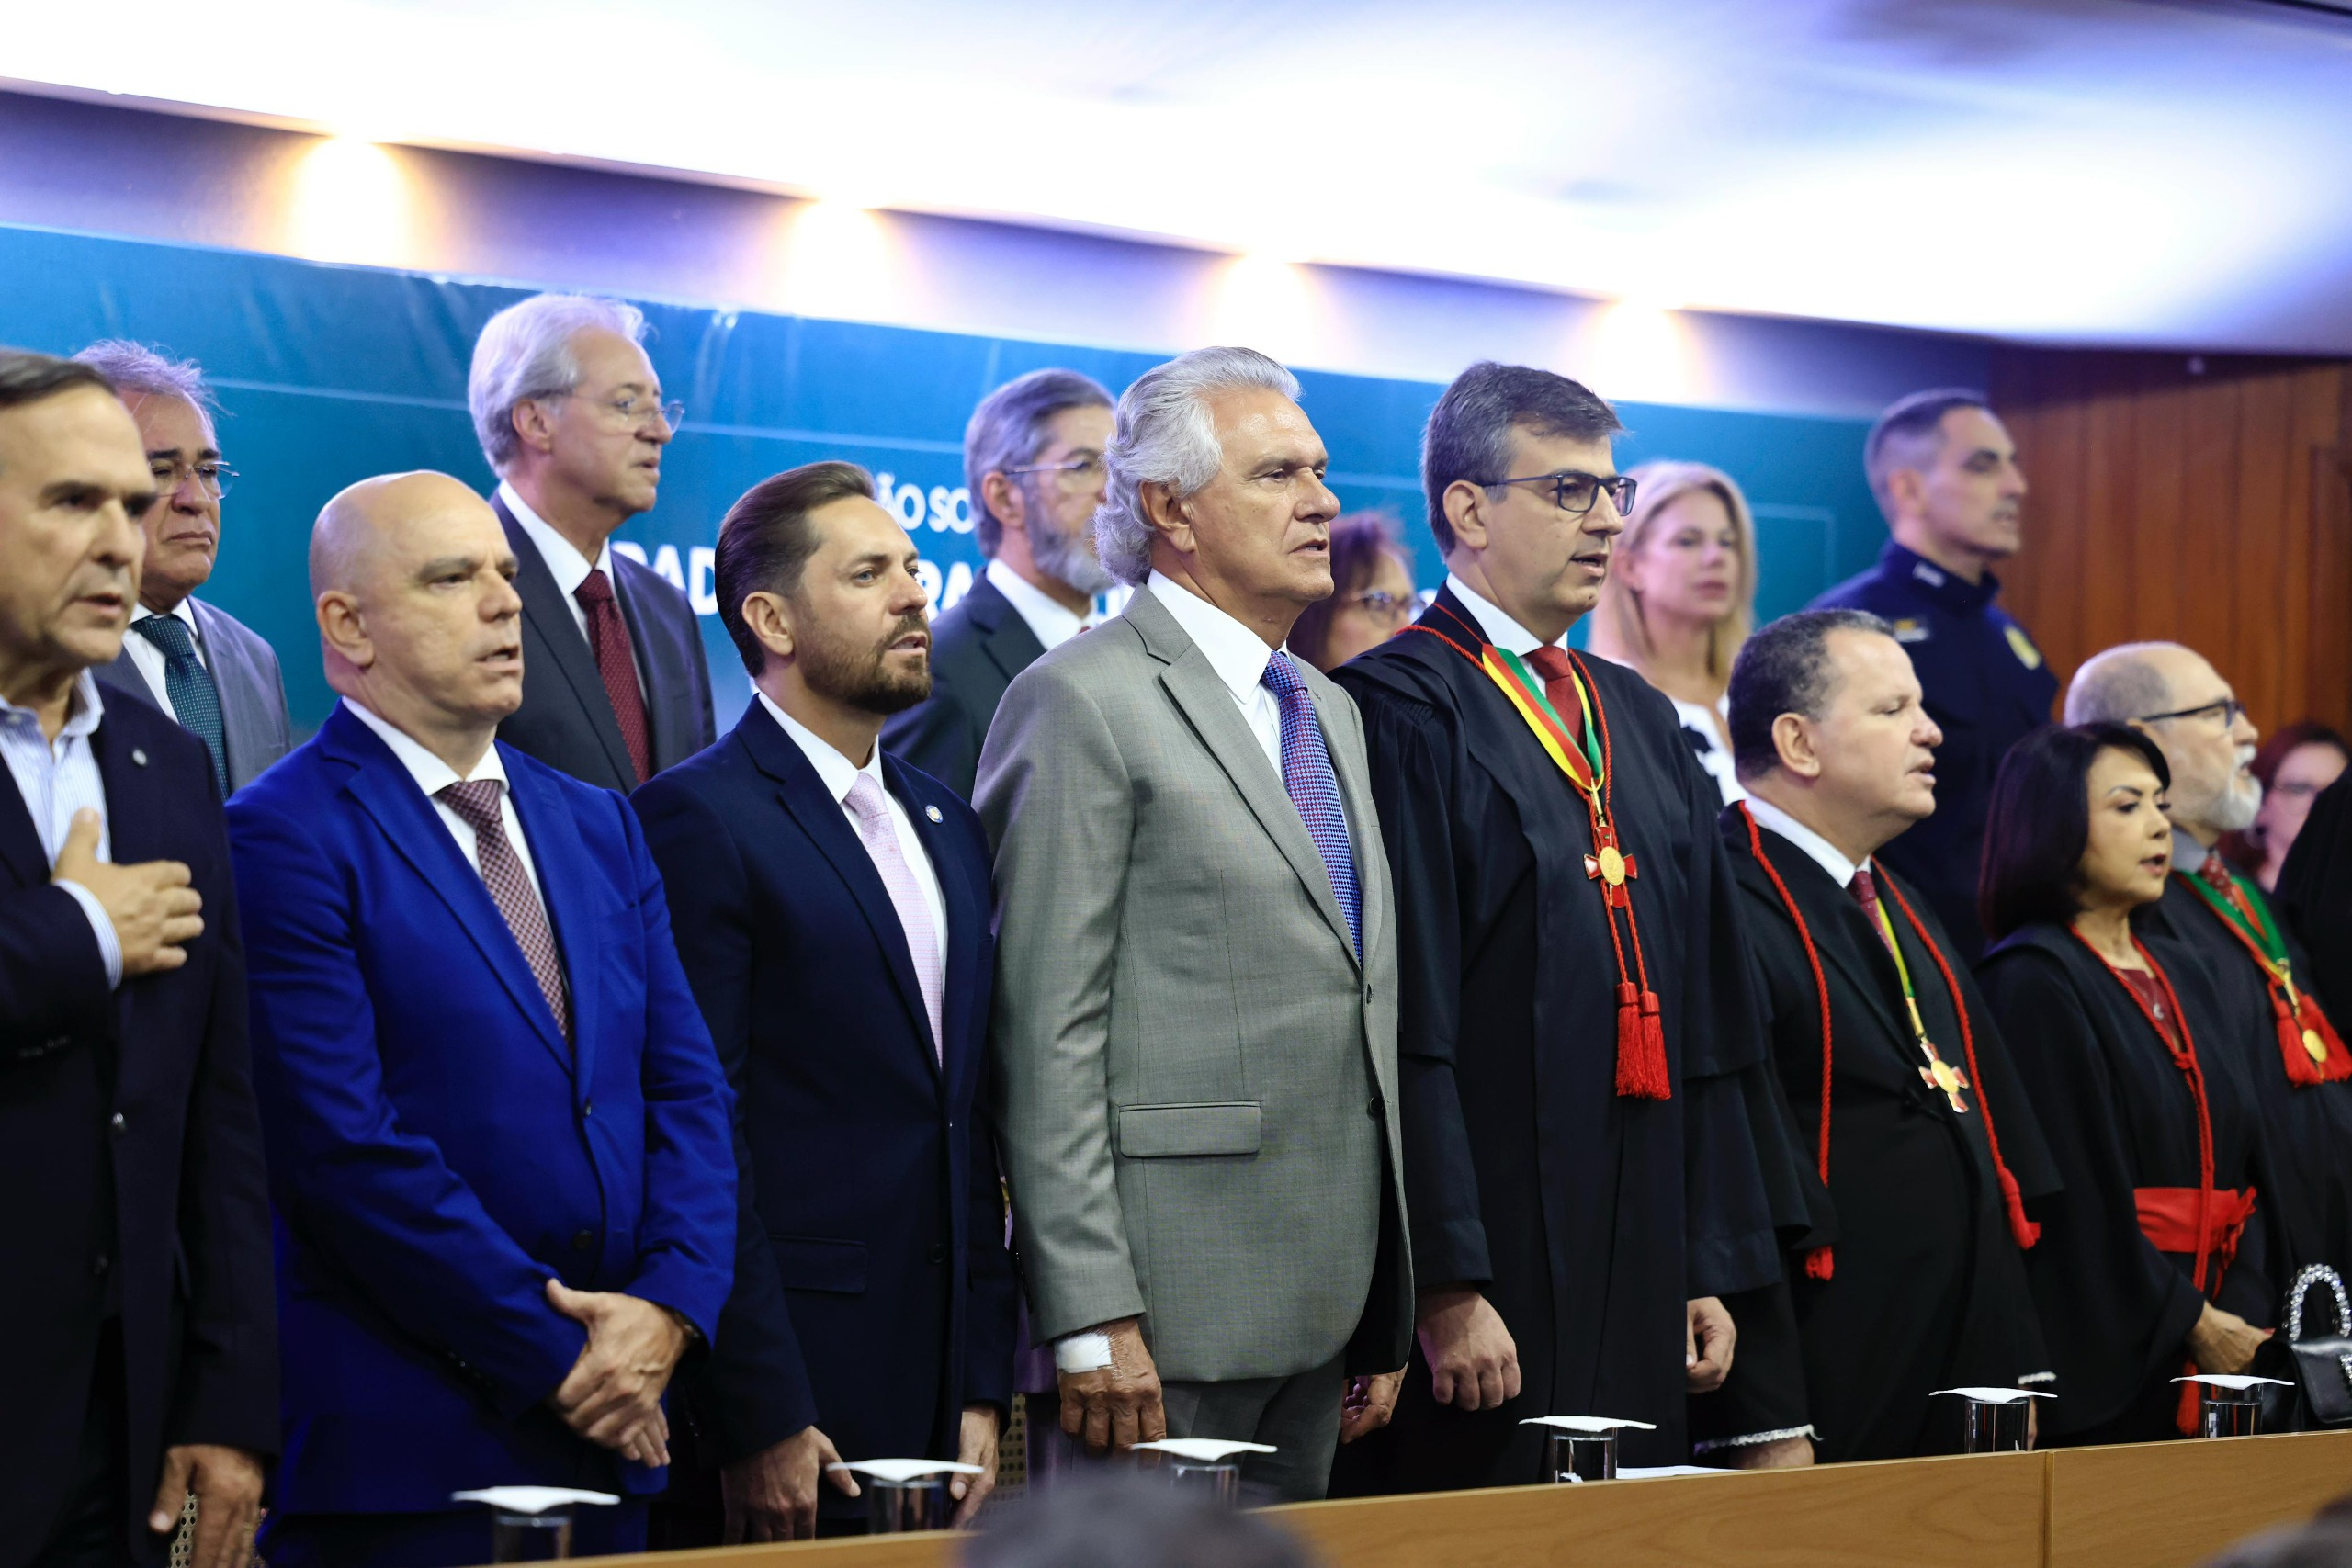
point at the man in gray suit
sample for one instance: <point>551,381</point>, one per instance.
<point>198,663</point>
<point>1196,979</point>
<point>1033,462</point>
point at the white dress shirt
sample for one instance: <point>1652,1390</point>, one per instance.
<point>149,659</point>
<point>433,775</point>
<point>1238,655</point>
<point>1050,622</point>
<point>1497,624</point>
<point>839,775</point>
<point>566,565</point>
<point>58,778</point>
<point>1825,854</point>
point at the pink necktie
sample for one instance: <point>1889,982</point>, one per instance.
<point>881,838</point>
<point>476,800</point>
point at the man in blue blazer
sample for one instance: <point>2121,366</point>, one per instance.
<point>832,906</point>
<point>498,1137</point>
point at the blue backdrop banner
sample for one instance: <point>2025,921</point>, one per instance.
<point>329,374</point>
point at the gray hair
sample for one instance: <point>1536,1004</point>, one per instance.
<point>1009,429</point>
<point>139,371</point>
<point>1784,668</point>
<point>2119,685</point>
<point>524,351</point>
<point>1165,436</point>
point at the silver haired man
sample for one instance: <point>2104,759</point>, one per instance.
<point>569,413</point>
<point>1033,461</point>
<point>210,671</point>
<point>1196,961</point>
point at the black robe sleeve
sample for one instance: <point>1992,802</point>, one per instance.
<point>2314,896</point>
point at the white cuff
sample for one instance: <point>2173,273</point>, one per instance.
<point>2033,1378</point>
<point>109,947</point>
<point>1752,1440</point>
<point>1088,1351</point>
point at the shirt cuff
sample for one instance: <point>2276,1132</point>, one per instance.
<point>1752,1440</point>
<point>102,924</point>
<point>1088,1351</point>
<point>2033,1378</point>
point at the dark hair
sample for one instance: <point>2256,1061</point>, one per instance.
<point>2324,1542</point>
<point>2245,849</point>
<point>1358,541</point>
<point>2039,822</point>
<point>1009,429</point>
<point>1784,668</point>
<point>1907,434</point>
<point>1131,1520</point>
<point>1468,434</point>
<point>29,378</point>
<point>766,542</point>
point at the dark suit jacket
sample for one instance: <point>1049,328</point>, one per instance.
<point>438,1149</point>
<point>127,1133</point>
<point>565,720</point>
<point>873,1295</point>
<point>254,723</point>
<point>976,650</point>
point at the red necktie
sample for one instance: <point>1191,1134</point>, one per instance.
<point>2216,873</point>
<point>609,640</point>
<point>1559,688</point>
<point>476,800</point>
<point>1864,887</point>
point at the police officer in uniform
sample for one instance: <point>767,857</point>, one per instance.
<point>1945,473</point>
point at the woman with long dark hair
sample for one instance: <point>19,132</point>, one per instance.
<point>2156,1258</point>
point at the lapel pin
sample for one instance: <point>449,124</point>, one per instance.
<point>138,757</point>
<point>932,812</point>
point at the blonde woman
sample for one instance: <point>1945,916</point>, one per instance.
<point>1681,596</point>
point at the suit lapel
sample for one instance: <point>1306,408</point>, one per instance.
<point>1005,635</point>
<point>20,849</point>
<point>1834,914</point>
<point>560,859</point>
<point>966,910</point>
<point>1364,818</point>
<point>388,794</point>
<point>665,680</point>
<point>549,615</point>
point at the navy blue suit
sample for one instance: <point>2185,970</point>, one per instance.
<point>873,1295</point>
<point>438,1149</point>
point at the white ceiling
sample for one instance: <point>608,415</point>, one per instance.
<point>2097,171</point>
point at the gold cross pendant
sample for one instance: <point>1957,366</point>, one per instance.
<point>1613,868</point>
<point>1940,1074</point>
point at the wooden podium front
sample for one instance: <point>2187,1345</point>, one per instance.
<point>2148,1506</point>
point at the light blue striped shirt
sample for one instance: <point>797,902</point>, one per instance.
<point>57,779</point>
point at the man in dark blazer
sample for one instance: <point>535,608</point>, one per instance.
<point>569,412</point>
<point>1033,463</point>
<point>831,905</point>
<point>136,1306</point>
<point>196,662</point>
<point>498,1135</point>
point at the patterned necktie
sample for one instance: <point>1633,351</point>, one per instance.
<point>881,837</point>
<point>609,640</point>
<point>196,700</point>
<point>2216,873</point>
<point>1314,788</point>
<point>1559,687</point>
<point>476,801</point>
<point>1864,887</point>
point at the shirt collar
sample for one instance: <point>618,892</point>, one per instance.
<point>2188,854</point>
<point>84,709</point>
<point>1494,622</point>
<point>838,773</point>
<point>1926,577</point>
<point>569,567</point>
<point>1238,654</point>
<point>431,774</point>
<point>1825,854</point>
<point>1051,622</point>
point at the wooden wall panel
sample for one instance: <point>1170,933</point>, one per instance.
<point>2211,508</point>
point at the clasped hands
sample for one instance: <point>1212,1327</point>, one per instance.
<point>1113,1408</point>
<point>612,1396</point>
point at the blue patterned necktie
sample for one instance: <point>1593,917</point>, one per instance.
<point>1314,789</point>
<point>196,700</point>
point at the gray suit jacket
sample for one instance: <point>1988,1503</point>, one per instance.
<point>976,650</point>
<point>1199,1078</point>
<point>253,691</point>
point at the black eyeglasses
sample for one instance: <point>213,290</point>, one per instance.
<point>1576,493</point>
<point>2229,710</point>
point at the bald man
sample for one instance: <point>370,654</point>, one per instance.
<point>2290,1046</point>
<point>499,1137</point>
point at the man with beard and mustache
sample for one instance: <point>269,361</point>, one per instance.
<point>1032,460</point>
<point>2292,1054</point>
<point>831,905</point>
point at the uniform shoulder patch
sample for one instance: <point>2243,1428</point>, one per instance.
<point>1909,630</point>
<point>2022,645</point>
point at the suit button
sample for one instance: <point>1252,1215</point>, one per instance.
<point>938,1252</point>
<point>588,1109</point>
<point>1377,1109</point>
<point>100,1264</point>
<point>583,1240</point>
<point>117,1126</point>
<point>1367,994</point>
<point>57,1042</point>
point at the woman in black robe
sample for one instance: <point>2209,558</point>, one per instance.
<point>2124,1051</point>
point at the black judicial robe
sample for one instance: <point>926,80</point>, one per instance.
<point>2314,896</point>
<point>2309,1126</point>
<point>2117,1115</point>
<point>1929,1291</point>
<point>1589,1221</point>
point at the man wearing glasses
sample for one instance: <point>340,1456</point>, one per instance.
<point>1578,1041</point>
<point>569,413</point>
<point>201,665</point>
<point>1033,460</point>
<point>2297,1060</point>
<point>1945,474</point>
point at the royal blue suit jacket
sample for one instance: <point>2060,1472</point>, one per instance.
<point>873,1293</point>
<point>437,1149</point>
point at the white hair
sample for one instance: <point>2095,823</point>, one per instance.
<point>524,351</point>
<point>2119,685</point>
<point>1164,435</point>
